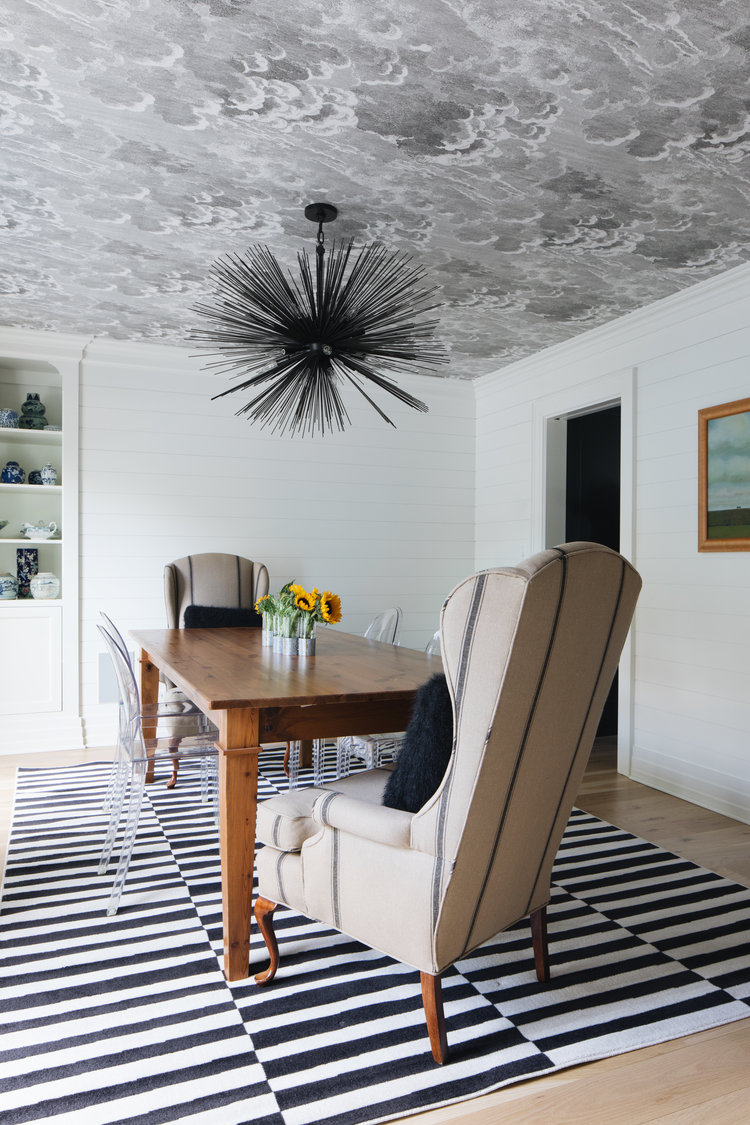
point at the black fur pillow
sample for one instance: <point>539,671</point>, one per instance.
<point>220,617</point>
<point>426,750</point>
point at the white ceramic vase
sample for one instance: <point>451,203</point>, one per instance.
<point>45,585</point>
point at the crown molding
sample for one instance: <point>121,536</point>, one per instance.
<point>48,347</point>
<point>108,350</point>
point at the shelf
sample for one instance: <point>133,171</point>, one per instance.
<point>28,601</point>
<point>29,487</point>
<point>41,634</point>
<point>43,437</point>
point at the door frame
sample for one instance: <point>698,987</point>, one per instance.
<point>549,415</point>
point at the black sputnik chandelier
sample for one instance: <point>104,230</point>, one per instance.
<point>352,319</point>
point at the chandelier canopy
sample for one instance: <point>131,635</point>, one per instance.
<point>353,318</point>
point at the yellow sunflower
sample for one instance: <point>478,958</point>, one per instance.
<point>330,607</point>
<point>264,604</point>
<point>303,600</point>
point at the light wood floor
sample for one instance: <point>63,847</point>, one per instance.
<point>700,1080</point>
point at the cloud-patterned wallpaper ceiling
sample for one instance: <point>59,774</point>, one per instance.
<point>554,165</point>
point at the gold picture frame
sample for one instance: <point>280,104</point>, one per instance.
<point>724,477</point>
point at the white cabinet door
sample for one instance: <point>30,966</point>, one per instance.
<point>30,657</point>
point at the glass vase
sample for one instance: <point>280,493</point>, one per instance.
<point>289,623</point>
<point>306,638</point>
<point>266,639</point>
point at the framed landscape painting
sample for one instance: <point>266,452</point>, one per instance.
<point>724,477</point>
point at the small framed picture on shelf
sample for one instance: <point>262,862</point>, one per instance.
<point>724,477</point>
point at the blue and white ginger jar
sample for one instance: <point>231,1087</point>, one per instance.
<point>13,473</point>
<point>8,586</point>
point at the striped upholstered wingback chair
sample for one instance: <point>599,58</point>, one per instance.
<point>529,654</point>
<point>211,579</point>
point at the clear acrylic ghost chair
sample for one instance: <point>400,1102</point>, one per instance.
<point>382,628</point>
<point>175,708</point>
<point>385,626</point>
<point>135,755</point>
<point>372,748</point>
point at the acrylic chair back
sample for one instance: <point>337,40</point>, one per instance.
<point>385,626</point>
<point>432,648</point>
<point>115,635</point>
<point>132,765</point>
<point>130,709</point>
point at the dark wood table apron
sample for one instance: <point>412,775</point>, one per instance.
<point>255,695</point>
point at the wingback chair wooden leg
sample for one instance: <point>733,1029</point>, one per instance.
<point>264,909</point>
<point>174,749</point>
<point>539,940</point>
<point>432,998</point>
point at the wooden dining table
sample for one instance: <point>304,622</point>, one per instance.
<point>258,697</point>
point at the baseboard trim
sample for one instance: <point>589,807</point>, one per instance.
<point>711,789</point>
<point>38,734</point>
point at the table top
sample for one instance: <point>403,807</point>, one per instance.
<point>226,668</point>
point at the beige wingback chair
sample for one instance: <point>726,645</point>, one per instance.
<point>529,653</point>
<point>211,579</point>
<point>208,579</point>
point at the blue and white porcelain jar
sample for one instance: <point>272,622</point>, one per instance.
<point>12,473</point>
<point>27,565</point>
<point>45,584</point>
<point>8,419</point>
<point>8,586</point>
<point>48,474</point>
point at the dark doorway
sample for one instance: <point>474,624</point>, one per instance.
<point>592,498</point>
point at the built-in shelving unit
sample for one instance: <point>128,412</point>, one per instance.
<point>39,680</point>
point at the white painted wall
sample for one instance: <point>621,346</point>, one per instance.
<point>382,516</point>
<point>691,638</point>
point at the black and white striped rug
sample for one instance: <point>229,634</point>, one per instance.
<point>129,1019</point>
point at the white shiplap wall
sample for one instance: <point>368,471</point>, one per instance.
<point>382,516</point>
<point>691,698</point>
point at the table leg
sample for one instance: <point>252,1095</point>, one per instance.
<point>149,698</point>
<point>238,796</point>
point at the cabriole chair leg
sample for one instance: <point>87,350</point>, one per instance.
<point>263,910</point>
<point>174,750</point>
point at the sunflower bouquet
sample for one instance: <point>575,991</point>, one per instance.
<point>315,606</point>
<point>268,608</point>
<point>297,609</point>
